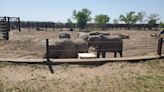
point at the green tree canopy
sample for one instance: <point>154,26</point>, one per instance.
<point>141,16</point>
<point>115,21</point>
<point>102,19</point>
<point>129,18</point>
<point>153,18</point>
<point>82,17</point>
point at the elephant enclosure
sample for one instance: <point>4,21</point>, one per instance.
<point>32,44</point>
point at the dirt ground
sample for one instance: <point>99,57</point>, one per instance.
<point>111,77</point>
<point>32,44</point>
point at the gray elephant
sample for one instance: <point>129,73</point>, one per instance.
<point>67,48</point>
<point>64,35</point>
<point>99,33</point>
<point>62,48</point>
<point>105,44</point>
<point>85,35</point>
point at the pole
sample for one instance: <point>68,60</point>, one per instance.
<point>8,23</point>
<point>45,25</point>
<point>37,24</point>
<point>8,28</point>
<point>28,25</point>
<point>47,49</point>
<point>160,41</point>
<point>53,25</point>
<point>19,24</point>
<point>48,60</point>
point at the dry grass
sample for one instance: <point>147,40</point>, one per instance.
<point>111,77</point>
<point>32,44</point>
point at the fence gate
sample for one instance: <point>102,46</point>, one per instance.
<point>6,23</point>
<point>4,28</point>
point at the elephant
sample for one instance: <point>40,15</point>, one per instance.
<point>62,48</point>
<point>105,44</point>
<point>83,36</point>
<point>64,35</point>
<point>99,33</point>
<point>122,36</point>
<point>67,48</point>
<point>81,45</point>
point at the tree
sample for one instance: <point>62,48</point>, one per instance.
<point>70,24</point>
<point>141,16</point>
<point>152,19</point>
<point>82,17</point>
<point>130,18</point>
<point>102,19</point>
<point>115,21</point>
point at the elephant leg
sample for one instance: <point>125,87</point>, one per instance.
<point>115,54</point>
<point>98,53</point>
<point>120,53</point>
<point>103,54</point>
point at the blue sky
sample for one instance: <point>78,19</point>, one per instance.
<point>61,10</point>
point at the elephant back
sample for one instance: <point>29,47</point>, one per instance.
<point>99,33</point>
<point>111,43</point>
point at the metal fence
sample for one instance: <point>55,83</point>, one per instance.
<point>31,49</point>
<point>7,24</point>
<point>49,25</point>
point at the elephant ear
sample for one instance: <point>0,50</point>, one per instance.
<point>92,41</point>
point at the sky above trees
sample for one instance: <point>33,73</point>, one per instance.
<point>61,10</point>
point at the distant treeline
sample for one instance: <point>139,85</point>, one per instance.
<point>33,24</point>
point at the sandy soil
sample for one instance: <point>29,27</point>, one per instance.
<point>111,77</point>
<point>32,44</point>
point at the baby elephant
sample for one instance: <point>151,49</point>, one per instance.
<point>105,44</point>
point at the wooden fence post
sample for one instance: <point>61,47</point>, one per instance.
<point>48,59</point>
<point>37,26</point>
<point>8,28</point>
<point>47,49</point>
<point>160,41</point>
<point>45,26</point>
<point>28,25</point>
<point>53,26</point>
<point>19,24</point>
